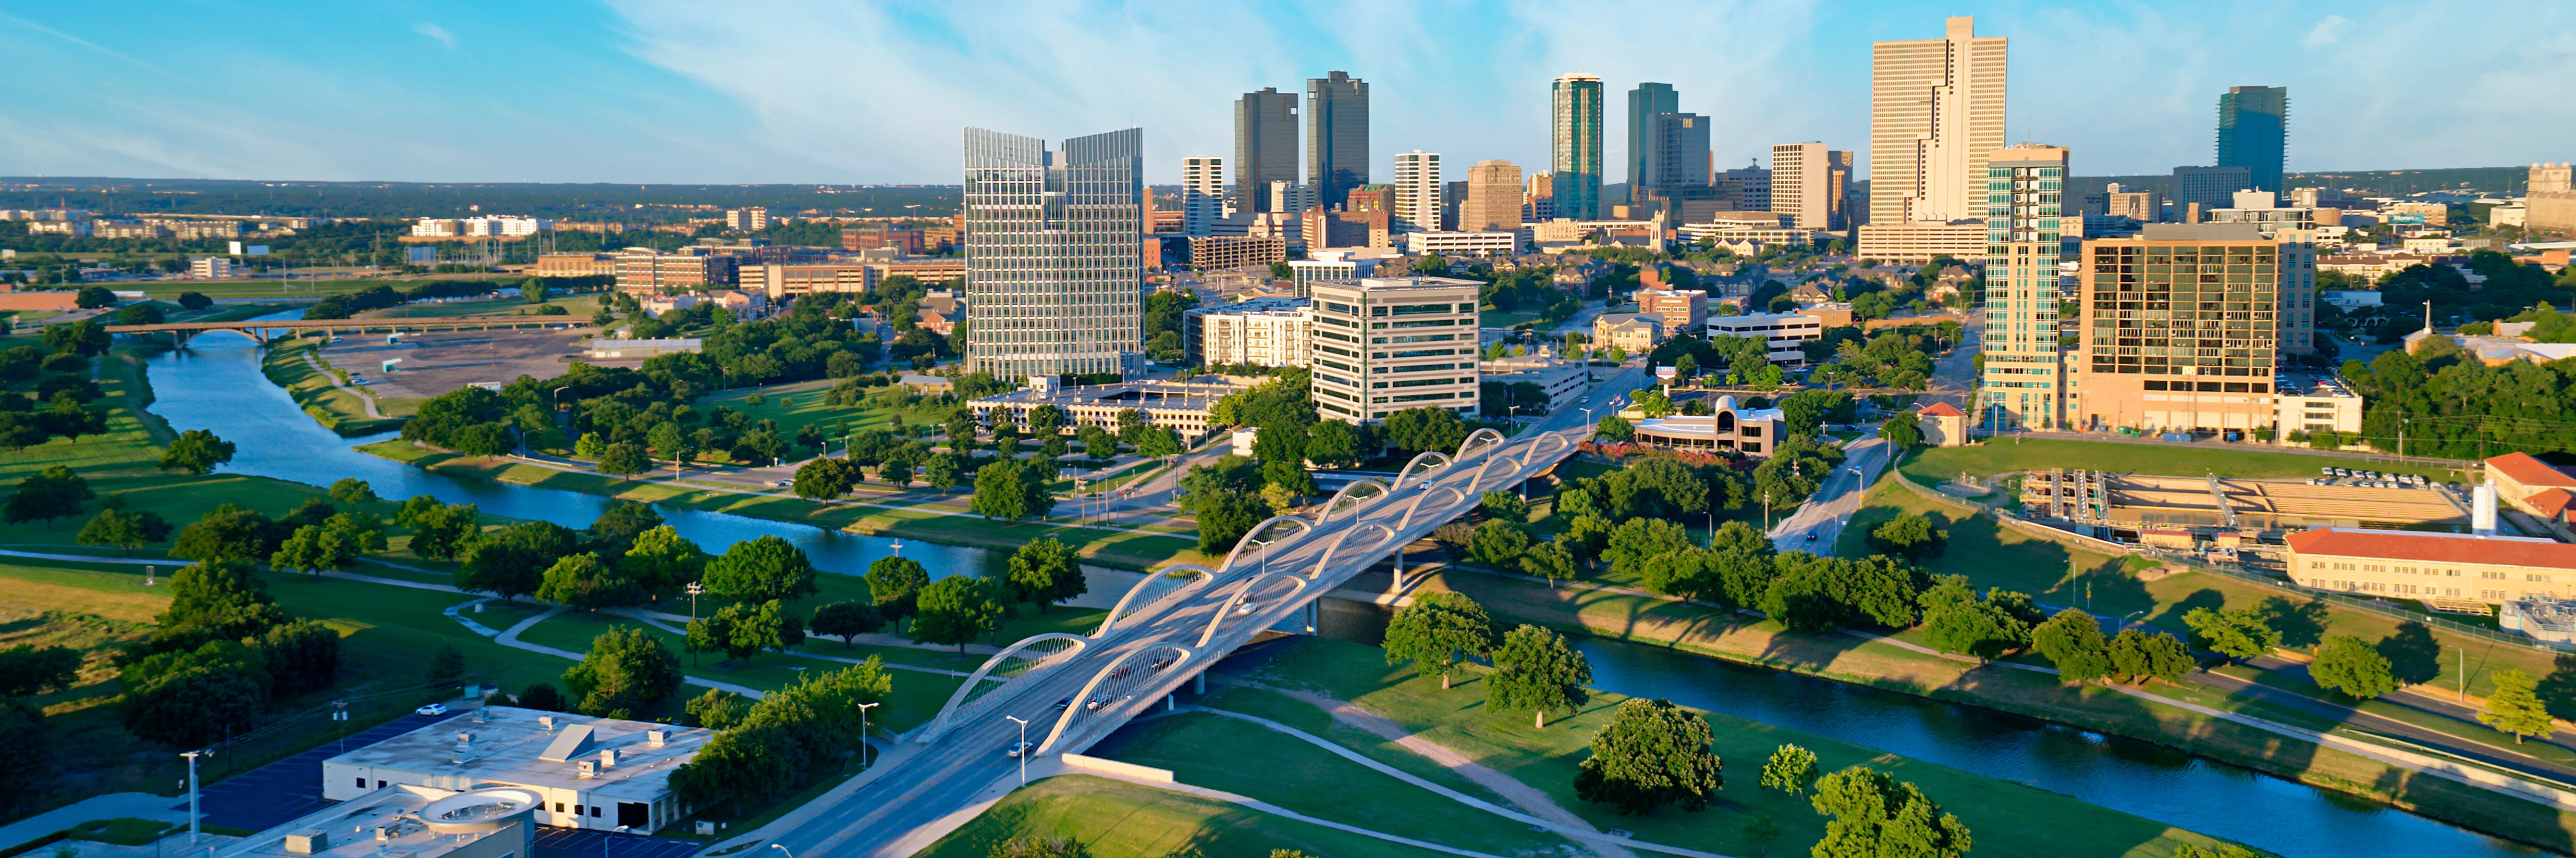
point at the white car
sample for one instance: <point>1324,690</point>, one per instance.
<point>431,709</point>
<point>1018,748</point>
<point>1247,607</point>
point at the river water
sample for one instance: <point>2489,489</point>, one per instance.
<point>215,384</point>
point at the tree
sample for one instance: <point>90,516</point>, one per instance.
<point>2072,640</point>
<point>1224,517</point>
<point>1903,430</point>
<point>351,491</point>
<point>1653,754</point>
<point>765,569</point>
<point>2139,656</point>
<point>583,581</point>
<point>196,451</point>
<point>1614,429</point>
<point>2514,706</point>
<point>214,600</point>
<point>302,656</point>
<point>954,610</point>
<point>1498,544</point>
<point>195,300</point>
<point>624,460</point>
<point>1534,670</point>
<point>1436,631</point>
<point>336,542</point>
<point>93,297</point>
<point>53,493</point>
<point>1876,815</point>
<point>661,561</point>
<point>1910,536</point>
<point>847,620</point>
<point>1045,572</point>
<point>2349,664</point>
<point>746,629</point>
<point>1548,560</point>
<point>1790,769</point>
<point>894,583</point>
<point>438,531</point>
<point>822,479</point>
<point>626,671</point>
<point>717,709</point>
<point>1954,620</point>
<point>1001,492</point>
<point>27,670</point>
<point>2238,633</point>
<point>941,472</point>
<point>897,473</point>
<point>511,562</point>
<point>124,530</point>
<point>196,703</point>
<point>446,666</point>
<point>1504,506</point>
<point>539,695</point>
<point>86,338</point>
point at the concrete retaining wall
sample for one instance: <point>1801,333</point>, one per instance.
<point>1080,763</point>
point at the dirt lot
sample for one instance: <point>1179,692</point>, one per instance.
<point>441,361</point>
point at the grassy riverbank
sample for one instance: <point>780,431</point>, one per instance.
<point>290,365</point>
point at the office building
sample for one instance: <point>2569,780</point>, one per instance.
<point>1936,108</point>
<point>644,270</point>
<point>1454,244</point>
<point>596,773</point>
<point>1785,332</point>
<point>1917,243</point>
<point>210,267</point>
<point>1328,265</point>
<point>1270,332</point>
<point>2140,206</point>
<point>1202,194</point>
<point>1290,199</point>
<point>1493,198</point>
<point>1417,191</point>
<point>2179,328</point>
<point>1808,183</point>
<point>2198,190</point>
<point>2549,203</point>
<point>1538,203</point>
<point>2254,133</point>
<point>2428,566</point>
<point>1337,135</point>
<point>1265,146</point>
<point>1574,163</point>
<point>1745,188</point>
<point>748,219</point>
<point>1348,229</point>
<point>1452,195</point>
<point>407,821</point>
<point>1681,309</point>
<point>1224,252</point>
<point>1645,103</point>
<point>1730,426</point>
<point>1676,163</point>
<point>2023,381</point>
<point>1386,344</point>
<point>1181,406</point>
<point>1054,254</point>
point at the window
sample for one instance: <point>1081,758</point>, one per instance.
<point>559,807</point>
<point>362,783</point>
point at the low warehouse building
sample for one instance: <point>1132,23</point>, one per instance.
<point>641,349</point>
<point>601,773</point>
<point>2446,571</point>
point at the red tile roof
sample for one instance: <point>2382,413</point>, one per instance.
<point>2529,470</point>
<point>1942,409</point>
<point>2434,547</point>
<point>2552,503</point>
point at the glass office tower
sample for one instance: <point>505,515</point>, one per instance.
<point>1055,266</point>
<point>1337,136</point>
<point>2254,133</point>
<point>1576,164</point>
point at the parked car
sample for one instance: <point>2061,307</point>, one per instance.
<point>431,709</point>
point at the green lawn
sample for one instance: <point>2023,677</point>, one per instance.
<point>1934,465</point>
<point>917,695</point>
<point>132,433</point>
<point>338,410</point>
<point>1115,818</point>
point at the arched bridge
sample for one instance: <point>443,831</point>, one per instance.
<point>1065,692</point>
<point>260,330</point>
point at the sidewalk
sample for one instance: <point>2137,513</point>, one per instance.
<point>139,805</point>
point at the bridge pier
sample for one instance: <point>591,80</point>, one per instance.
<point>1198,683</point>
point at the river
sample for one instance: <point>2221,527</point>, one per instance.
<point>216,384</point>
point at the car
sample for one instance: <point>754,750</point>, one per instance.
<point>1094,704</point>
<point>431,709</point>
<point>1162,662</point>
<point>1063,704</point>
<point>1246,608</point>
<point>1811,536</point>
<point>783,483</point>
<point>2326,471</point>
<point>1018,748</point>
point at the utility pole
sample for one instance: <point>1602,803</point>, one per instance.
<point>694,590</point>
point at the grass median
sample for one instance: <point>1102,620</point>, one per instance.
<point>1119,818</point>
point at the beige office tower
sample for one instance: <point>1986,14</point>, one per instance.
<point>1417,191</point>
<point>1202,194</point>
<point>1493,197</point>
<point>2178,328</point>
<point>1807,184</point>
<point>2023,383</point>
<point>2550,177</point>
<point>1388,344</point>
<point>1936,107</point>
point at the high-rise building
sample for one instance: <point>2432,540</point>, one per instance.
<point>1539,205</point>
<point>1493,197</point>
<point>2166,338</point>
<point>1575,159</point>
<point>1936,108</point>
<point>1202,193</point>
<point>2209,188</point>
<point>1452,195</point>
<point>2023,384</point>
<point>1808,182</point>
<point>1645,103</point>
<point>1676,157</point>
<point>2550,177</point>
<point>1417,191</point>
<point>2254,133</point>
<point>1387,344</point>
<point>747,219</point>
<point>1337,135</point>
<point>2550,206</point>
<point>1054,254</point>
<point>1265,146</point>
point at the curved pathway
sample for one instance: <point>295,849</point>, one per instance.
<point>364,397</point>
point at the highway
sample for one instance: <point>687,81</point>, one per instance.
<point>1154,645</point>
<point>1817,523</point>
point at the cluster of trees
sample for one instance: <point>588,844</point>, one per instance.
<point>776,745</point>
<point>65,402</point>
<point>27,670</point>
<point>2443,401</point>
<point>1893,358</point>
<point>218,655</point>
<point>1163,313</point>
<point>626,672</point>
<point>381,297</point>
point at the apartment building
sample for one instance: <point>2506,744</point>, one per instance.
<point>1681,309</point>
<point>2023,385</point>
<point>1417,192</point>
<point>747,219</point>
<point>1221,252</point>
<point>1260,332</point>
<point>1386,344</point>
<point>2179,328</point>
<point>1493,198</point>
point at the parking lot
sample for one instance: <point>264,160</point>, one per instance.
<point>437,362</point>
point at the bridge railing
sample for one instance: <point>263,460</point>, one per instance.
<point>1152,592</point>
<point>1033,655</point>
<point>1113,695</point>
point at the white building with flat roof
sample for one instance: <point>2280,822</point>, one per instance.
<point>1496,243</point>
<point>1260,332</point>
<point>1785,331</point>
<point>1387,344</point>
<point>598,773</point>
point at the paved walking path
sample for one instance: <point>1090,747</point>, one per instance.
<point>364,397</point>
<point>139,805</point>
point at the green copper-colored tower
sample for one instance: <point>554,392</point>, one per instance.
<point>1576,123</point>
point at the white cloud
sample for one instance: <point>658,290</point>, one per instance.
<point>436,33</point>
<point>2326,32</point>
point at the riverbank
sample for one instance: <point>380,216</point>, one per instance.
<point>292,365</point>
<point>1704,630</point>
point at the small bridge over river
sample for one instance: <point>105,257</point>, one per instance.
<point>180,332</point>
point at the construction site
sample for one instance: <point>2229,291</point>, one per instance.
<point>2238,520</point>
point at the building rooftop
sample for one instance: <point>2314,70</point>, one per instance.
<point>675,343</point>
<point>350,829</point>
<point>2435,547</point>
<point>1941,409</point>
<point>535,748</point>
<point>2311,384</point>
<point>2529,470</point>
<point>1141,394</point>
<point>1381,284</point>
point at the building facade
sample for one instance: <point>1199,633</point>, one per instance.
<point>2199,190</point>
<point>1681,309</point>
<point>1677,164</point>
<point>1220,252</point>
<point>2179,328</point>
<point>1417,192</point>
<point>2254,133</point>
<point>747,219</point>
<point>1786,332</point>
<point>1729,426</point>
<point>1936,108</point>
<point>1634,333</point>
<point>1917,243</point>
<point>2405,564</point>
<point>1645,103</point>
<point>2022,385</point>
<point>1574,162</point>
<point>1337,135</point>
<point>1808,182</point>
<point>644,270</point>
<point>1383,345</point>
<point>1265,146</point>
<point>1493,198</point>
<point>1202,194</point>
<point>1054,254</point>
<point>1260,332</point>
<point>1454,244</point>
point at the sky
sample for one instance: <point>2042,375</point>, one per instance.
<point>687,91</point>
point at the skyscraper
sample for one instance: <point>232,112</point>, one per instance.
<point>1644,103</point>
<point>1807,184</point>
<point>1417,191</point>
<point>2202,365</point>
<point>1265,146</point>
<point>1337,135</point>
<point>2254,133</point>
<point>1575,160</point>
<point>1054,254</point>
<point>1493,197</point>
<point>1676,156</point>
<point>2023,380</point>
<point>1936,107</point>
<point>1202,193</point>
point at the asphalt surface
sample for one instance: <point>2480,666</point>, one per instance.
<point>949,774</point>
<point>1818,522</point>
<point>273,794</point>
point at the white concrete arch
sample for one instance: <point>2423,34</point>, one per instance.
<point>1478,442</point>
<point>1256,533</point>
<point>1169,584</point>
<point>948,716</point>
<point>1257,587</point>
<point>1401,477</point>
<point>1334,507</point>
<point>1081,700</point>
<point>1418,500</point>
<point>1352,537</point>
<point>1543,440</point>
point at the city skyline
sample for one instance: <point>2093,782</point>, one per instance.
<point>648,92</point>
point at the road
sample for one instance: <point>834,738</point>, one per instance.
<point>1818,522</point>
<point>1126,670</point>
<point>1954,376</point>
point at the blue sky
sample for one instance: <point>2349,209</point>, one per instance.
<point>752,92</point>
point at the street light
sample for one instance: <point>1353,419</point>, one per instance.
<point>192,792</point>
<point>694,590</point>
<point>863,733</point>
<point>1023,748</point>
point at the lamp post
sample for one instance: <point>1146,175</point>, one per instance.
<point>863,733</point>
<point>1023,748</point>
<point>192,793</point>
<point>694,590</point>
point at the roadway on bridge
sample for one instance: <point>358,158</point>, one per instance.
<point>946,777</point>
